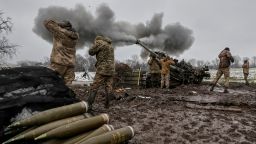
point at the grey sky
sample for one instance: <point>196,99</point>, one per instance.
<point>215,24</point>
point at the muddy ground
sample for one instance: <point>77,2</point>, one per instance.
<point>161,116</point>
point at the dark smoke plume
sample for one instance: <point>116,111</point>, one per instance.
<point>173,39</point>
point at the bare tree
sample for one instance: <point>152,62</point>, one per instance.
<point>6,48</point>
<point>81,62</point>
<point>91,62</point>
<point>200,63</point>
<point>254,61</point>
<point>192,61</point>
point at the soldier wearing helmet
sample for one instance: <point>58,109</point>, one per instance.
<point>105,69</point>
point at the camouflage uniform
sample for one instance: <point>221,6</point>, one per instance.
<point>64,51</point>
<point>155,69</point>
<point>246,71</point>
<point>105,68</point>
<point>224,66</point>
<point>165,72</point>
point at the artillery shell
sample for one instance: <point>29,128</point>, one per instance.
<point>77,138</point>
<point>76,127</point>
<point>13,139</point>
<point>53,114</point>
<point>47,127</point>
<point>103,129</point>
<point>113,137</point>
<point>71,140</point>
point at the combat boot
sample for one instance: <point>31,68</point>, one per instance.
<point>225,90</point>
<point>91,99</point>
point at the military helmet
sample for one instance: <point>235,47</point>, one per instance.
<point>227,48</point>
<point>65,23</point>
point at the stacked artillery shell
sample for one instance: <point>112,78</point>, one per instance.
<point>103,129</point>
<point>75,127</point>
<point>44,128</point>
<point>53,114</point>
<point>69,125</point>
<point>112,137</point>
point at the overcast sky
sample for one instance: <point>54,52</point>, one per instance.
<point>216,24</point>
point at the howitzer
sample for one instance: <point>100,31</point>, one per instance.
<point>180,73</point>
<point>158,55</point>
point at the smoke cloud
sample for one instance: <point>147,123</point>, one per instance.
<point>173,39</point>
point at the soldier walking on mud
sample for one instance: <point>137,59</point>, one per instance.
<point>63,52</point>
<point>105,69</point>
<point>165,71</point>
<point>224,66</point>
<point>246,71</point>
<point>155,69</point>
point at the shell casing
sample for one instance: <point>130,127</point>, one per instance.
<point>53,114</point>
<point>76,127</point>
<point>113,137</point>
<point>101,130</point>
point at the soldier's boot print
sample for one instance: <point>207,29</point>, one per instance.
<point>90,100</point>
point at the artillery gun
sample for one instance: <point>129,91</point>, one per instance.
<point>180,73</point>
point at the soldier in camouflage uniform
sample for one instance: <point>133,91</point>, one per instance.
<point>105,69</point>
<point>246,71</point>
<point>165,72</point>
<point>155,69</point>
<point>64,52</point>
<point>224,66</point>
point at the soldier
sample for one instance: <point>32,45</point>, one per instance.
<point>165,71</point>
<point>64,52</point>
<point>155,69</point>
<point>224,66</point>
<point>105,69</point>
<point>246,71</point>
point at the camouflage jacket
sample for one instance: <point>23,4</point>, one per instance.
<point>246,68</point>
<point>64,42</point>
<point>154,65</point>
<point>166,65</point>
<point>225,59</point>
<point>104,52</point>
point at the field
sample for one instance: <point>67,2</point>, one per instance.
<point>236,75</point>
<point>185,114</point>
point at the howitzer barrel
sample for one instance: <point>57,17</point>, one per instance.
<point>147,49</point>
<point>53,114</point>
<point>113,137</point>
<point>76,127</point>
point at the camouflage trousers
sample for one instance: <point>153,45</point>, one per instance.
<point>155,79</point>
<point>246,78</point>
<point>220,72</point>
<point>100,80</point>
<point>67,72</point>
<point>165,80</point>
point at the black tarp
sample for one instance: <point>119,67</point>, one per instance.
<point>33,87</point>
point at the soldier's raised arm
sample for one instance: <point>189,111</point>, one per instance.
<point>57,29</point>
<point>95,48</point>
<point>229,55</point>
<point>51,25</point>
